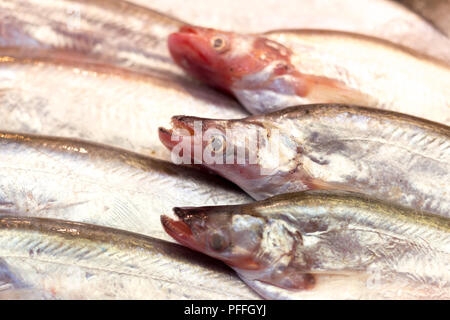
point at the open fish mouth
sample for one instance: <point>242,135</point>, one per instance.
<point>180,231</point>
<point>176,228</point>
<point>182,126</point>
<point>186,48</point>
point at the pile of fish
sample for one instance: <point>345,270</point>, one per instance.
<point>143,157</point>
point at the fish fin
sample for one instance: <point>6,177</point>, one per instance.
<point>290,279</point>
<point>317,184</point>
<point>319,89</point>
<point>346,285</point>
<point>272,291</point>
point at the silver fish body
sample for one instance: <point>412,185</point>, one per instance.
<point>86,182</point>
<point>362,248</point>
<point>99,103</point>
<point>391,77</point>
<point>435,11</point>
<point>379,18</point>
<point>384,154</point>
<point>325,245</point>
<point>114,32</point>
<point>54,259</point>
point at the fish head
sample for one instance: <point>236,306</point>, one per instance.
<point>253,153</point>
<point>263,74</point>
<point>233,62</point>
<point>219,233</point>
<point>254,245</point>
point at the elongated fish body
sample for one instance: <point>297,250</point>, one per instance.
<point>115,32</point>
<point>134,36</point>
<point>379,18</point>
<point>98,103</point>
<point>284,68</point>
<point>395,79</point>
<point>435,11</point>
<point>324,245</point>
<point>85,182</point>
<point>56,259</point>
<point>387,155</point>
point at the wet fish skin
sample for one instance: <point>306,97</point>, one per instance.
<point>56,259</point>
<point>324,245</point>
<point>400,89</point>
<point>387,155</point>
<point>82,25</point>
<point>435,11</point>
<point>378,18</point>
<point>115,32</point>
<point>271,71</point>
<point>97,102</point>
<point>87,182</point>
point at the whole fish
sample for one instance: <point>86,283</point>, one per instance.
<point>324,245</point>
<point>435,11</point>
<point>379,18</point>
<point>388,155</point>
<point>87,182</point>
<point>97,102</point>
<point>115,32</point>
<point>56,259</point>
<point>278,69</point>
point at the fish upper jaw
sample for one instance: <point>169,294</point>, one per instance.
<point>192,51</point>
<point>182,127</point>
<point>181,232</point>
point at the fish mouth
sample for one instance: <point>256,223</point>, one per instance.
<point>180,229</point>
<point>191,50</point>
<point>188,48</point>
<point>182,126</point>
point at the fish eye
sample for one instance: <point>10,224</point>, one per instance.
<point>218,242</point>
<point>218,43</point>
<point>217,143</point>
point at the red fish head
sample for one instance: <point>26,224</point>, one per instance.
<point>250,152</point>
<point>256,245</point>
<point>222,58</point>
<point>218,232</point>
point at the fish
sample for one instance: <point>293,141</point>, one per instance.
<point>434,11</point>
<point>119,33</point>
<point>387,155</point>
<point>324,245</point>
<point>133,33</point>
<point>379,18</point>
<point>271,71</point>
<point>56,259</point>
<point>98,102</point>
<point>87,182</point>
